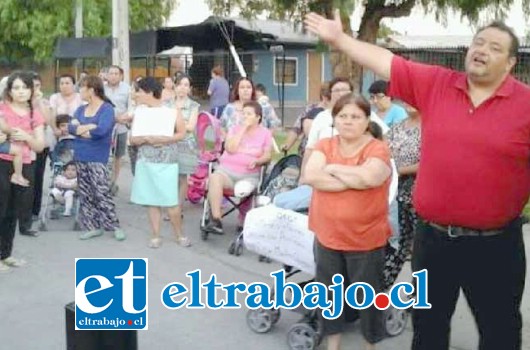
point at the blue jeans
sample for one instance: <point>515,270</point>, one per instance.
<point>295,199</point>
<point>217,111</point>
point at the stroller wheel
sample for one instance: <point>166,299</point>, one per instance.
<point>275,315</point>
<point>395,321</point>
<point>232,248</point>
<point>204,234</point>
<point>302,336</point>
<point>260,320</point>
<point>238,248</point>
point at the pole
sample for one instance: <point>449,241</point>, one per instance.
<point>283,89</point>
<point>78,18</point>
<point>120,37</point>
<point>78,30</point>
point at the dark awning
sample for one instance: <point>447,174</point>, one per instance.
<point>208,35</point>
<point>83,48</point>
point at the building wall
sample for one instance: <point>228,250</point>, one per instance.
<point>264,74</point>
<point>327,69</point>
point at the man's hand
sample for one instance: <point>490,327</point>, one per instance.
<point>326,29</point>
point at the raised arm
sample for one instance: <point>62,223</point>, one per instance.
<point>370,56</point>
<point>234,137</point>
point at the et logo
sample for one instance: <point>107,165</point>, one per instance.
<point>111,294</point>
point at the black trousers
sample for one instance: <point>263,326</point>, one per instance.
<point>15,204</point>
<point>491,273</point>
<point>40,168</point>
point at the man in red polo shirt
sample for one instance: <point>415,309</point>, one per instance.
<point>472,184</point>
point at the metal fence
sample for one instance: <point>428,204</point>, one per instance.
<point>453,57</point>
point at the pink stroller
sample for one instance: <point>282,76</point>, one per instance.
<point>197,182</point>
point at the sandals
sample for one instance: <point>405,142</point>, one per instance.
<point>155,243</point>
<point>183,241</point>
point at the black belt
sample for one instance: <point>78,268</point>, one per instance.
<point>458,231</point>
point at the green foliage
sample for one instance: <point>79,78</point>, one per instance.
<point>385,31</point>
<point>30,27</point>
<point>295,9</point>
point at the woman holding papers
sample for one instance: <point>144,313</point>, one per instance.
<point>92,127</point>
<point>156,129</point>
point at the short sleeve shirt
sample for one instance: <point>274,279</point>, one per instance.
<point>61,106</point>
<point>251,148</point>
<point>474,170</point>
<point>220,92</point>
<point>351,220</point>
<point>25,122</point>
<point>120,98</point>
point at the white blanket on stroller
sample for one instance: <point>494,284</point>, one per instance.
<point>281,235</point>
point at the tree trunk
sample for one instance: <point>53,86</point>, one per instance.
<point>340,63</point>
<point>375,11</point>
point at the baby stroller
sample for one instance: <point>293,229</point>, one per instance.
<point>283,177</point>
<point>62,154</point>
<point>197,182</point>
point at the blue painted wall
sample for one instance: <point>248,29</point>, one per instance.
<point>265,75</point>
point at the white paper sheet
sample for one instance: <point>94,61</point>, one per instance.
<point>154,121</point>
<point>282,235</point>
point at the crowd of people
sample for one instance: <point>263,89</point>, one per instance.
<point>456,215</point>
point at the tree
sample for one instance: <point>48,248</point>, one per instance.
<point>30,27</point>
<point>374,12</point>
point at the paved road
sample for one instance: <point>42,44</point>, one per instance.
<point>32,299</point>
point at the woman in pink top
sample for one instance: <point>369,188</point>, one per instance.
<point>27,131</point>
<point>66,101</point>
<point>247,147</point>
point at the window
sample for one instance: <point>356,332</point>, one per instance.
<point>291,70</point>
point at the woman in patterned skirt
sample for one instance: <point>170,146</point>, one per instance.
<point>92,125</point>
<point>187,151</point>
<point>155,184</point>
<point>404,139</point>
